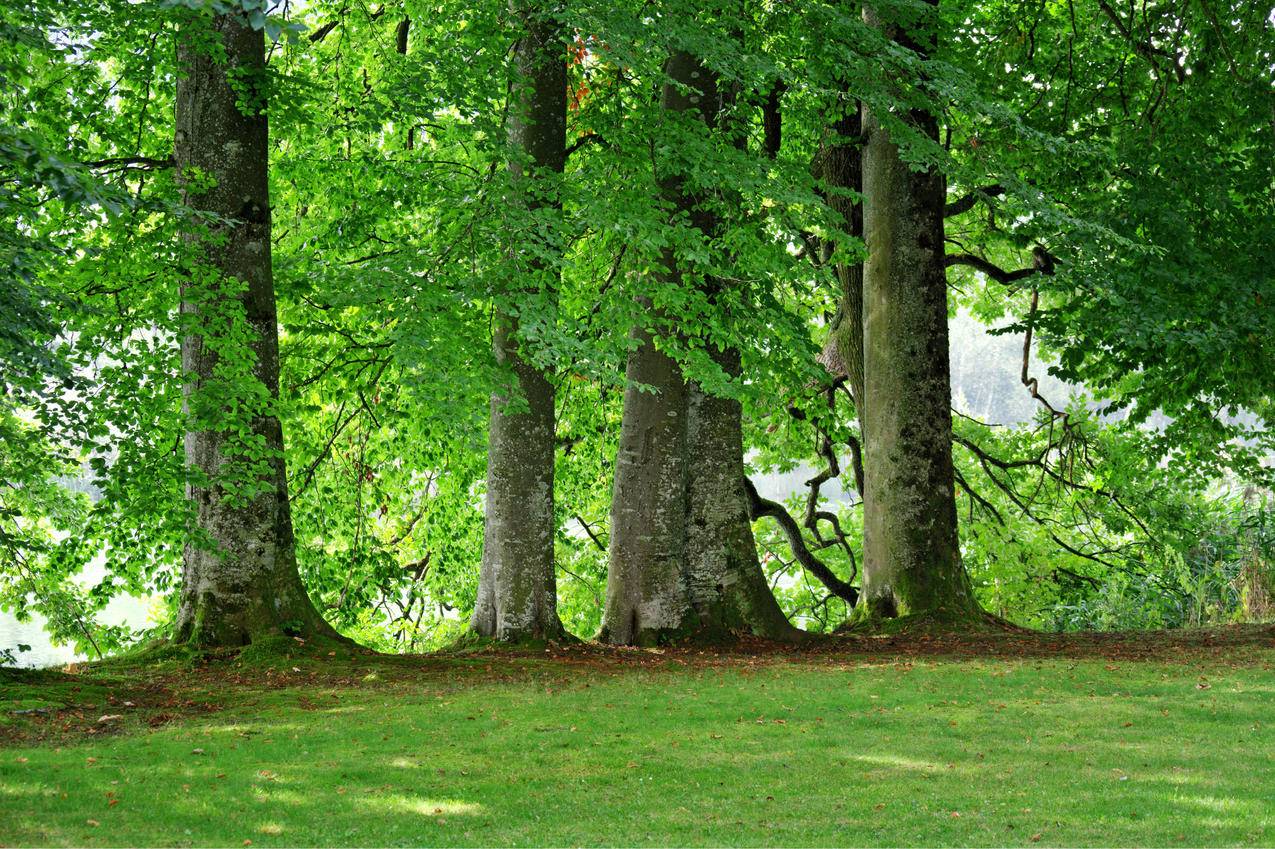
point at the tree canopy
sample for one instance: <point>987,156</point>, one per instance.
<point>679,283</point>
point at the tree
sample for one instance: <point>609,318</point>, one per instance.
<point>682,559</point>
<point>912,561</point>
<point>517,591</point>
<point>239,579</point>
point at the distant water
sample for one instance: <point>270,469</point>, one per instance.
<point>123,610</point>
<point>31,632</point>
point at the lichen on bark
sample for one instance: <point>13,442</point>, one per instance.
<point>517,586</point>
<point>239,575</point>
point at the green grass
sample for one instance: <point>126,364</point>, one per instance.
<point>833,749</point>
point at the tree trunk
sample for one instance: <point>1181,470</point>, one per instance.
<point>683,562</point>
<point>843,169</point>
<point>517,588</point>
<point>239,580</point>
<point>912,562</point>
<point>728,589</point>
<point>646,599</point>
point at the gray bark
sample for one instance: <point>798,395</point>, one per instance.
<point>245,584</point>
<point>517,588</point>
<point>912,562</point>
<point>728,589</point>
<point>683,562</point>
<point>646,598</point>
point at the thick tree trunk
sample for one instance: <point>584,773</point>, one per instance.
<point>646,599</point>
<point>245,584</point>
<point>912,562</point>
<point>517,588</point>
<point>728,589</point>
<point>683,562</point>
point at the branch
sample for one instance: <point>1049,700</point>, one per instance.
<point>966,203</point>
<point>400,35</point>
<point>759,507</point>
<point>132,163</point>
<point>772,120</point>
<point>1043,262</point>
<point>322,32</point>
<point>588,529</point>
<point>992,270</point>
<point>584,140</point>
<point>1144,49</point>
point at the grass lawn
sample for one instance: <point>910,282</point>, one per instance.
<point>854,743</point>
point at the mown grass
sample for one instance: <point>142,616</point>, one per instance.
<point>678,749</point>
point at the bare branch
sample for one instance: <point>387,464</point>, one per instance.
<point>966,203</point>
<point>759,507</point>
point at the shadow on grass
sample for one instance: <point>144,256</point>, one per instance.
<point>979,752</point>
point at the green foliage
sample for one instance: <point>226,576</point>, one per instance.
<point>1135,149</point>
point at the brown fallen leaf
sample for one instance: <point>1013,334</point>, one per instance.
<point>1035,838</point>
<point>93,823</point>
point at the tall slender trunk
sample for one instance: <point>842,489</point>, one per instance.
<point>912,561</point>
<point>245,584</point>
<point>843,169</point>
<point>517,588</point>
<point>683,561</point>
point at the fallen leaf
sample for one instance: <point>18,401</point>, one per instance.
<point>196,751</point>
<point>110,717</point>
<point>1035,838</point>
<point>93,823</point>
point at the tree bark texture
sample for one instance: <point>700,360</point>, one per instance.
<point>683,562</point>
<point>728,589</point>
<point>912,561</point>
<point>843,169</point>
<point>517,587</point>
<point>245,585</point>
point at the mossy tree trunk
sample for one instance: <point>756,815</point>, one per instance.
<point>683,562</point>
<point>517,588</point>
<point>912,561</point>
<point>728,589</point>
<point>239,578</point>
